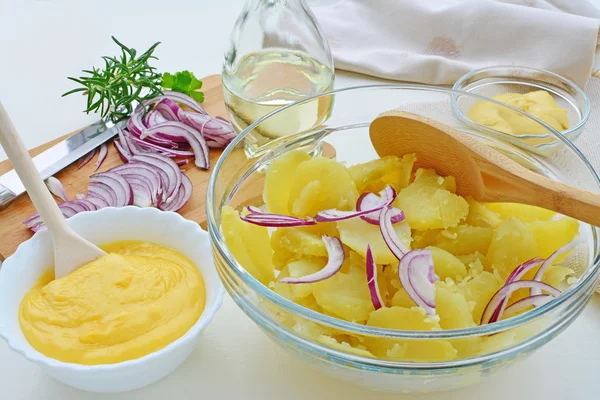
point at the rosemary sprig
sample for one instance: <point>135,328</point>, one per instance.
<point>125,81</point>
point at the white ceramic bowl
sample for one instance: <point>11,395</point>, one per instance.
<point>21,270</point>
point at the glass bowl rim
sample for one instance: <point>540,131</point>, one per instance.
<point>587,279</point>
<point>585,110</point>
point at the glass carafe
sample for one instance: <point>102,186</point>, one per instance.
<point>277,55</point>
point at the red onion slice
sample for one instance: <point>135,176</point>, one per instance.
<point>372,280</point>
<point>124,155</point>
<point>122,189</point>
<point>177,97</point>
<point>143,171</point>
<point>254,210</point>
<point>418,277</point>
<point>168,151</point>
<point>540,272</point>
<point>135,125</point>
<point>99,202</point>
<point>181,163</point>
<point>102,155</point>
<point>390,237</point>
<point>87,158</point>
<point>337,215</point>
<point>185,193</point>
<point>169,171</point>
<point>523,304</point>
<point>173,130</point>
<point>168,108</point>
<point>276,220</point>
<point>371,200</point>
<point>56,188</point>
<point>142,196</point>
<point>335,254</point>
<point>104,192</point>
<point>209,126</point>
<point>495,307</point>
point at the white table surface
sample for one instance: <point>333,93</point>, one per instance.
<point>44,41</point>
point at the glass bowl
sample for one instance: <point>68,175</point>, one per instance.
<point>237,181</point>
<point>514,79</point>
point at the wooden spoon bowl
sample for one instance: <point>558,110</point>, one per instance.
<point>480,171</point>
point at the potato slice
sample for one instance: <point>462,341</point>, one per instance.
<point>465,239</point>
<point>552,235</point>
<point>375,175</point>
<point>280,179</point>
<point>522,212</point>
<point>358,234</point>
<point>479,290</point>
<point>512,244</point>
<point>447,265</point>
<point>321,184</point>
<point>249,244</point>
<point>429,207</point>
<point>452,307</point>
<point>408,350</point>
<point>345,295</point>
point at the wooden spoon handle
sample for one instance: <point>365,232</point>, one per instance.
<point>530,188</point>
<point>29,175</point>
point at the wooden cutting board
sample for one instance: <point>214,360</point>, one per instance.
<point>13,232</point>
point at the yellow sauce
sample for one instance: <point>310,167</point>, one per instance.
<point>137,299</point>
<point>540,104</point>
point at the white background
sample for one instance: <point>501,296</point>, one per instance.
<point>44,41</point>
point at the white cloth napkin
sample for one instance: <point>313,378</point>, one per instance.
<point>438,41</point>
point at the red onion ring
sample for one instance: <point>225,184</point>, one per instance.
<point>335,254</point>
<point>417,276</point>
<point>371,268</point>
<point>495,307</point>
<point>390,237</point>
<point>523,304</point>
<point>540,272</point>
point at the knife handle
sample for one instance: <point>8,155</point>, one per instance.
<point>6,197</point>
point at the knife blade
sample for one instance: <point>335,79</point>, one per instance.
<point>58,157</point>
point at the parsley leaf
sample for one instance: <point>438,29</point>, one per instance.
<point>184,82</point>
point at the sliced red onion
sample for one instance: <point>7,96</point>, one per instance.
<point>185,193</point>
<point>540,272</point>
<point>99,202</point>
<point>87,158</point>
<point>178,97</point>
<point>495,307</point>
<point>371,200</point>
<point>276,220</point>
<point>209,126</point>
<point>104,192</point>
<point>181,163</point>
<point>32,221</point>
<point>124,155</point>
<point>254,210</point>
<point>143,171</point>
<point>80,196</point>
<point>390,237</point>
<point>135,125</point>
<point>523,304</point>
<point>335,254</point>
<point>152,118</point>
<point>372,280</point>
<point>56,188</point>
<point>168,108</point>
<point>337,215</point>
<point>173,152</point>
<point>102,155</point>
<point>142,196</point>
<point>168,170</point>
<point>517,274</point>
<point>123,139</point>
<point>85,205</point>
<point>418,277</point>
<point>122,188</point>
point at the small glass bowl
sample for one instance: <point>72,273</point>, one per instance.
<point>237,181</point>
<point>493,81</point>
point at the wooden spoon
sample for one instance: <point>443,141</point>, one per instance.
<point>480,171</point>
<point>71,251</point>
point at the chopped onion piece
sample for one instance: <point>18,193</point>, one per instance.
<point>335,254</point>
<point>537,300</point>
<point>390,237</point>
<point>56,188</point>
<point>495,307</point>
<point>418,277</point>
<point>372,280</point>
<point>540,272</point>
